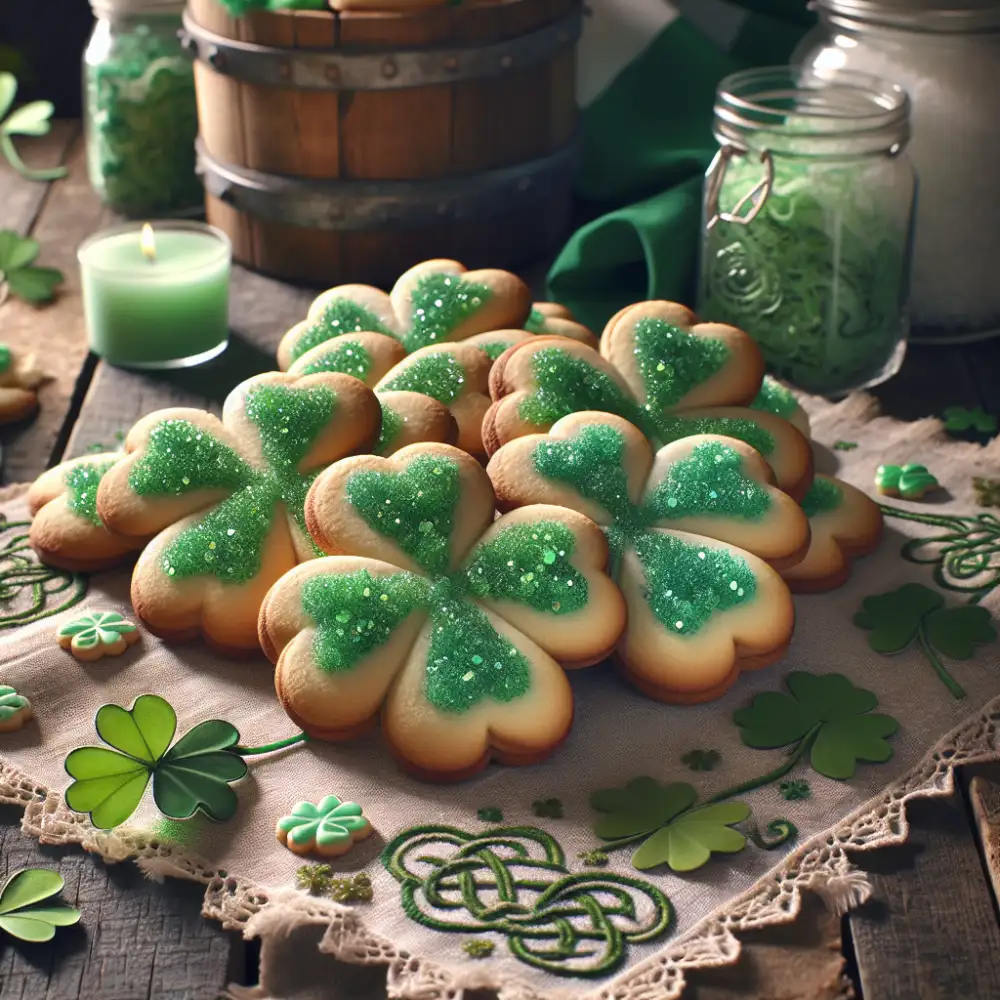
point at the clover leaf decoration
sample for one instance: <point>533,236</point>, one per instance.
<point>15,709</point>
<point>987,491</point>
<point>961,418</point>
<point>701,760</point>
<point>330,827</point>
<point>548,808</point>
<point>917,614</point>
<point>489,814</point>
<point>675,831</point>
<point>189,777</point>
<point>97,634</point>
<point>824,716</point>
<point>795,790</point>
<point>451,617</point>
<point>32,119</point>
<point>18,273</point>
<point>21,917</point>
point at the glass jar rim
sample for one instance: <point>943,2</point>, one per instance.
<point>110,8</point>
<point>871,112</point>
<point>184,225</point>
<point>922,16</point>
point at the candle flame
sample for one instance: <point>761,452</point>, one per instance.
<point>147,243</point>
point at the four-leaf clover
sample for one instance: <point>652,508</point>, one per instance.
<point>915,613</point>
<point>674,830</point>
<point>825,715</point>
<point>30,119</point>
<point>329,828</point>
<point>21,917</point>
<point>191,776</point>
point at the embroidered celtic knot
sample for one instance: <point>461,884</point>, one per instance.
<point>514,881</point>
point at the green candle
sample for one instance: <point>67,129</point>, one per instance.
<point>156,296</point>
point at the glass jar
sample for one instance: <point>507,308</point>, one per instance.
<point>140,115</point>
<point>807,225</point>
<point>946,53</point>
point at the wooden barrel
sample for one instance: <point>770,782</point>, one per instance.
<point>348,147</point>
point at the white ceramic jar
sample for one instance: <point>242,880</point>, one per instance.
<point>946,54</point>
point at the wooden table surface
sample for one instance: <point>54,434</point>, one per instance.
<point>930,932</point>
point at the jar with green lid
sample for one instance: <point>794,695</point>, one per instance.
<point>140,114</point>
<point>808,219</point>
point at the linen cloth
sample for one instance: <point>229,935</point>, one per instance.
<point>618,734</point>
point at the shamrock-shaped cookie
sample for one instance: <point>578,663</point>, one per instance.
<point>330,827</point>
<point>692,531</point>
<point>15,709</point>
<point>66,531</point>
<point>451,623</point>
<point>661,370</point>
<point>775,397</point>
<point>555,320</point>
<point>225,498</point>
<point>97,634</point>
<point>19,382</point>
<point>433,302</point>
<point>845,524</point>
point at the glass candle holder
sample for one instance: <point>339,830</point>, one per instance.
<point>156,295</point>
<point>808,224</point>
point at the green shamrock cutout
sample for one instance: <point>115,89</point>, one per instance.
<point>15,709</point>
<point>329,827</point>
<point>21,918</point>
<point>30,119</point>
<point>825,715</point>
<point>674,831</point>
<point>915,613</point>
<point>987,491</point>
<point>191,776</point>
<point>960,418</point>
<point>547,808</point>
<point>701,760</point>
<point>490,814</point>
<point>795,790</point>
<point>18,274</point>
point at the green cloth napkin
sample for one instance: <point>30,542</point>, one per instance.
<point>647,141</point>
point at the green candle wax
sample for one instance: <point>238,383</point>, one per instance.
<point>168,310</point>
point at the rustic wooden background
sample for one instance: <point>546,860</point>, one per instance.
<point>930,932</point>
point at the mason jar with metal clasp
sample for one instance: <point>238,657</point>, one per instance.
<point>946,53</point>
<point>807,225</point>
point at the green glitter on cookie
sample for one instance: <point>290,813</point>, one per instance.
<point>675,428</point>
<point>339,317</point>
<point>495,348</point>
<point>5,358</point>
<point>709,481</point>
<point>355,613</point>
<point>348,358</point>
<point>775,398</point>
<point>672,362</point>
<point>182,458</point>
<point>535,323</point>
<point>440,303</point>
<point>392,424</point>
<point>289,421</point>
<point>468,660</point>
<point>414,508</point>
<point>440,376</point>
<point>590,462</point>
<point>81,488</point>
<point>686,583</point>
<point>567,384</point>
<point>824,495</point>
<point>529,563</point>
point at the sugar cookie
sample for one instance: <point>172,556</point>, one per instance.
<point>457,622</point>
<point>19,382</point>
<point>691,531</point>
<point>555,320</point>
<point>225,498</point>
<point>66,531</point>
<point>97,634</point>
<point>845,524</point>
<point>775,397</point>
<point>329,828</point>
<point>433,302</point>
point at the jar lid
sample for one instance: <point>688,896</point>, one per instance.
<point>932,16</point>
<point>105,8</point>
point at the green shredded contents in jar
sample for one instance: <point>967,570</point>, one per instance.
<point>240,7</point>
<point>142,121</point>
<point>818,278</point>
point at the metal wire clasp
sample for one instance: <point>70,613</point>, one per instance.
<point>756,196</point>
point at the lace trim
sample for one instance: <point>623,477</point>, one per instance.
<point>820,865</point>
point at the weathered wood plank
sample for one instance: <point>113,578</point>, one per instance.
<point>55,334</point>
<point>22,199</point>
<point>260,311</point>
<point>984,798</point>
<point>137,939</point>
<point>930,931</point>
